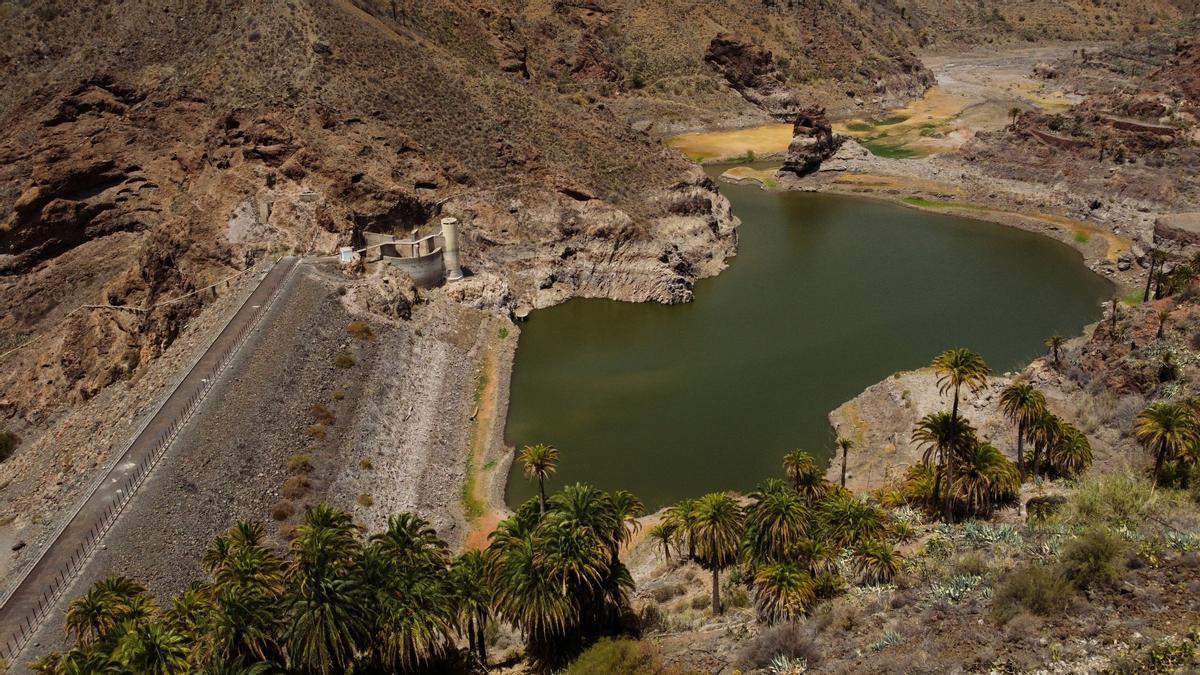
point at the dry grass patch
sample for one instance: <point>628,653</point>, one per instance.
<point>360,330</point>
<point>299,463</point>
<point>344,360</point>
<point>365,500</point>
<point>316,431</point>
<point>322,414</point>
<point>282,510</point>
<point>295,487</point>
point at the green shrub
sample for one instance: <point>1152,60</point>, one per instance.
<point>8,444</point>
<point>735,596</point>
<point>971,564</point>
<point>1038,589</point>
<point>1090,560</point>
<point>1111,499</point>
<point>621,655</point>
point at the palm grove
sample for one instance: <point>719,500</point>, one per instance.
<point>398,600</point>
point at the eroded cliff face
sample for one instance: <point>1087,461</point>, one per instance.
<point>145,165</point>
<point>813,142</point>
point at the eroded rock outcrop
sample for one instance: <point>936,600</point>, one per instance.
<point>813,142</point>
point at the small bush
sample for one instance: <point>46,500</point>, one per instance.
<point>366,464</point>
<point>701,601</point>
<point>651,618</point>
<point>339,395</point>
<point>344,360</point>
<point>294,487</point>
<point>971,564</point>
<point>621,655</point>
<point>1113,499</point>
<point>299,463</point>
<point>316,431</point>
<point>1038,589</point>
<point>8,444</point>
<point>365,500</point>
<point>359,330</point>
<point>735,596</point>
<point>786,640</point>
<point>282,510</point>
<point>667,592</point>
<point>1090,560</point>
<point>322,415</point>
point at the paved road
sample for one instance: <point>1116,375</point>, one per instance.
<point>29,601</point>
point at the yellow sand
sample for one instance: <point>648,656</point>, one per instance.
<point>716,145</point>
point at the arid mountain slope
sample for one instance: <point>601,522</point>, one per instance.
<point>150,149</point>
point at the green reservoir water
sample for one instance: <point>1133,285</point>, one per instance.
<point>828,295</point>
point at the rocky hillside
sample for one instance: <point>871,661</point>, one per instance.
<point>177,143</point>
<point>1136,140</point>
<point>941,24</point>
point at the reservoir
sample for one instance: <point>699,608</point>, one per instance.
<point>828,294</point>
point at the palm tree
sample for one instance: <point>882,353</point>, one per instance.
<point>845,521</point>
<point>541,461</point>
<point>783,591</point>
<point>718,530</point>
<point>1055,343</point>
<point>1163,315</point>
<point>985,480</point>
<point>1072,455</point>
<point>806,478</point>
<point>943,436</point>
<point>468,581</point>
<point>92,615</point>
<point>415,604</point>
<point>152,648</point>
<point>876,562</point>
<point>1157,257</point>
<point>1165,429</point>
<point>327,604</point>
<point>775,521</point>
<point>663,534</point>
<point>1022,403</point>
<point>844,444</point>
<point>1045,432</point>
<point>627,509</point>
<point>956,368</point>
<point>523,593</point>
<point>681,518</point>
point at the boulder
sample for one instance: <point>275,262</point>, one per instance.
<point>813,142</point>
<point>1183,228</point>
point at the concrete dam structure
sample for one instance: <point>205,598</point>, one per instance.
<point>429,260</point>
